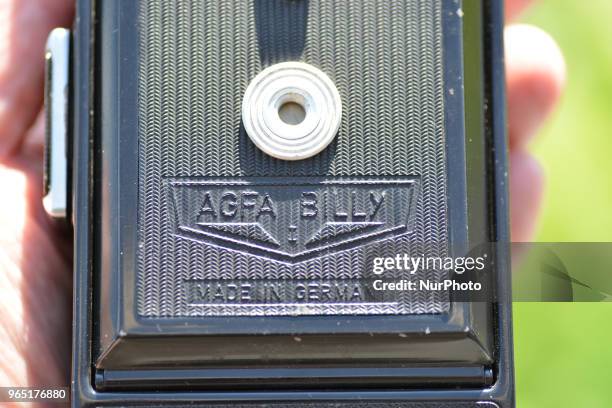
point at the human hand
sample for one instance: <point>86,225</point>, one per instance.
<point>535,78</point>
<point>35,254</point>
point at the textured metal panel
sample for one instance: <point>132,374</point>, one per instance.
<point>196,60</point>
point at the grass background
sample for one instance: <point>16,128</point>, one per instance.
<point>563,352</point>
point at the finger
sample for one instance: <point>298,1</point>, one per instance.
<point>23,32</point>
<point>33,144</point>
<point>526,185</point>
<point>535,75</point>
<point>34,287</point>
<point>513,8</point>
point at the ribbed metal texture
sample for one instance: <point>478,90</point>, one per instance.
<point>196,60</point>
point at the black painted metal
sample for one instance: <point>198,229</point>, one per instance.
<point>110,339</point>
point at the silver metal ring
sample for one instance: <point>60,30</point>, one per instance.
<point>299,85</point>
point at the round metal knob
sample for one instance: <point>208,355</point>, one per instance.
<point>291,110</point>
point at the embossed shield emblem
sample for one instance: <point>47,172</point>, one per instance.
<point>293,219</point>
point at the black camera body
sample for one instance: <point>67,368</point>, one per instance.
<point>226,250</point>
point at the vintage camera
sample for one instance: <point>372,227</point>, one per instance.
<point>236,171</point>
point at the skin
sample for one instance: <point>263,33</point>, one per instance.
<point>35,253</point>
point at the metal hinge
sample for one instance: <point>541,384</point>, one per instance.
<point>57,76</point>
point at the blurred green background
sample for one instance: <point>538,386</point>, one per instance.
<point>563,351</point>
